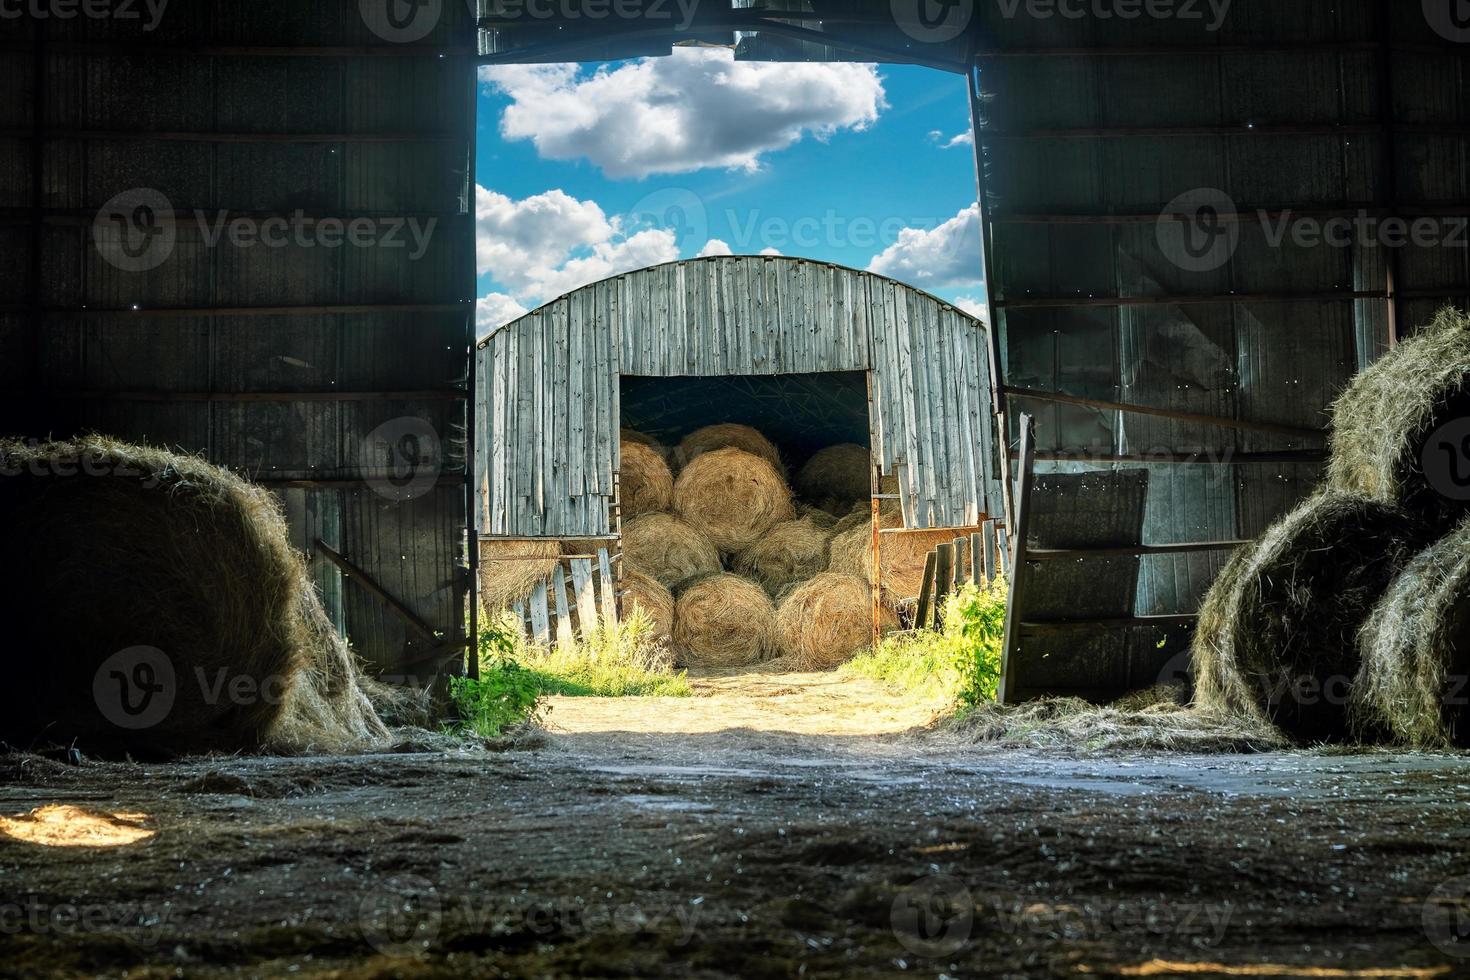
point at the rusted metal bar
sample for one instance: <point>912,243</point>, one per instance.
<point>398,609</point>
<point>144,136</point>
<point>1093,302</point>
<point>1167,413</point>
<point>1224,457</point>
<point>265,396</point>
<point>1120,622</point>
<point>1132,550</point>
<point>1018,560</point>
<point>1128,132</point>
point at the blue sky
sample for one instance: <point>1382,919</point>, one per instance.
<point>586,171</point>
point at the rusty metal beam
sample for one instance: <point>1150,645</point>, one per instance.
<point>1271,428</point>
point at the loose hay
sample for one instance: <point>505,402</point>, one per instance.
<point>1276,640</point>
<point>1414,683</point>
<point>644,592</point>
<point>141,564</point>
<point>511,570</point>
<point>823,622</point>
<point>727,435</point>
<point>1386,416</point>
<point>724,621</point>
<point>647,485</point>
<point>840,474</point>
<point>1070,724</point>
<point>790,552</point>
<point>734,497</point>
<point>668,549</point>
<point>901,555</point>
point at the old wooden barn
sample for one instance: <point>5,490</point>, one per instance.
<point>821,352</point>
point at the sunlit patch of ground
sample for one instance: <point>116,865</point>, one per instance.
<point>62,825</point>
<point>824,703</point>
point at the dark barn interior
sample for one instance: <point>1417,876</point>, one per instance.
<point>328,654</point>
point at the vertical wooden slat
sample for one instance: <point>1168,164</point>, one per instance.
<point>943,579</point>
<point>991,555</point>
<point>540,615</point>
<point>924,611</point>
<point>586,598</point>
<point>961,552</point>
<point>563,608</point>
<point>1021,500</point>
<point>609,594</point>
<point>978,574</point>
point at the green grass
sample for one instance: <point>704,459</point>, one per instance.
<point>959,664</point>
<point>517,674</point>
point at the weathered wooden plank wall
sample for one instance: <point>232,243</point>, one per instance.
<point>547,416</point>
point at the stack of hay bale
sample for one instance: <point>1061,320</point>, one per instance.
<point>742,565</point>
<point>1350,617</point>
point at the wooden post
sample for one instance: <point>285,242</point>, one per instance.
<point>979,574</point>
<point>540,615</point>
<point>877,560</point>
<point>943,579</point>
<point>1005,688</point>
<point>926,594</point>
<point>585,597</point>
<point>991,556</point>
<point>607,593</point>
<point>961,552</point>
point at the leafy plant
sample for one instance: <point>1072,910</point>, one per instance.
<point>958,663</point>
<point>505,694</point>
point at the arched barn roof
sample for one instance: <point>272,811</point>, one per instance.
<point>549,383</point>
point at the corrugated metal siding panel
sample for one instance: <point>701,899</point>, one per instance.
<point>425,177</point>
<point>556,369</point>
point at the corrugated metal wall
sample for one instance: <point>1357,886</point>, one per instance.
<point>335,374</point>
<point>1095,127</point>
<point>548,415</point>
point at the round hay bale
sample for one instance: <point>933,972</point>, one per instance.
<point>824,621</point>
<point>160,609</point>
<point>1398,429</point>
<point>901,554</point>
<point>644,592</point>
<point>733,496</point>
<point>1276,639</point>
<point>511,570</point>
<point>724,621</point>
<point>841,474</point>
<point>647,485</point>
<point>727,435</point>
<point>633,435</point>
<point>1414,683</point>
<point>668,549</point>
<point>790,552</point>
<point>823,519</point>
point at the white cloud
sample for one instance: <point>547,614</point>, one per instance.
<point>973,305</point>
<point>966,138</point>
<point>543,246</point>
<point>696,109</point>
<point>937,258</point>
<point>715,247</point>
<point>495,311</point>
<point>770,251</point>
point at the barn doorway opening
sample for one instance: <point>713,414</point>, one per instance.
<point>749,499</point>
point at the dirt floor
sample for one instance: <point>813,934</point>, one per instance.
<point>773,826</point>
